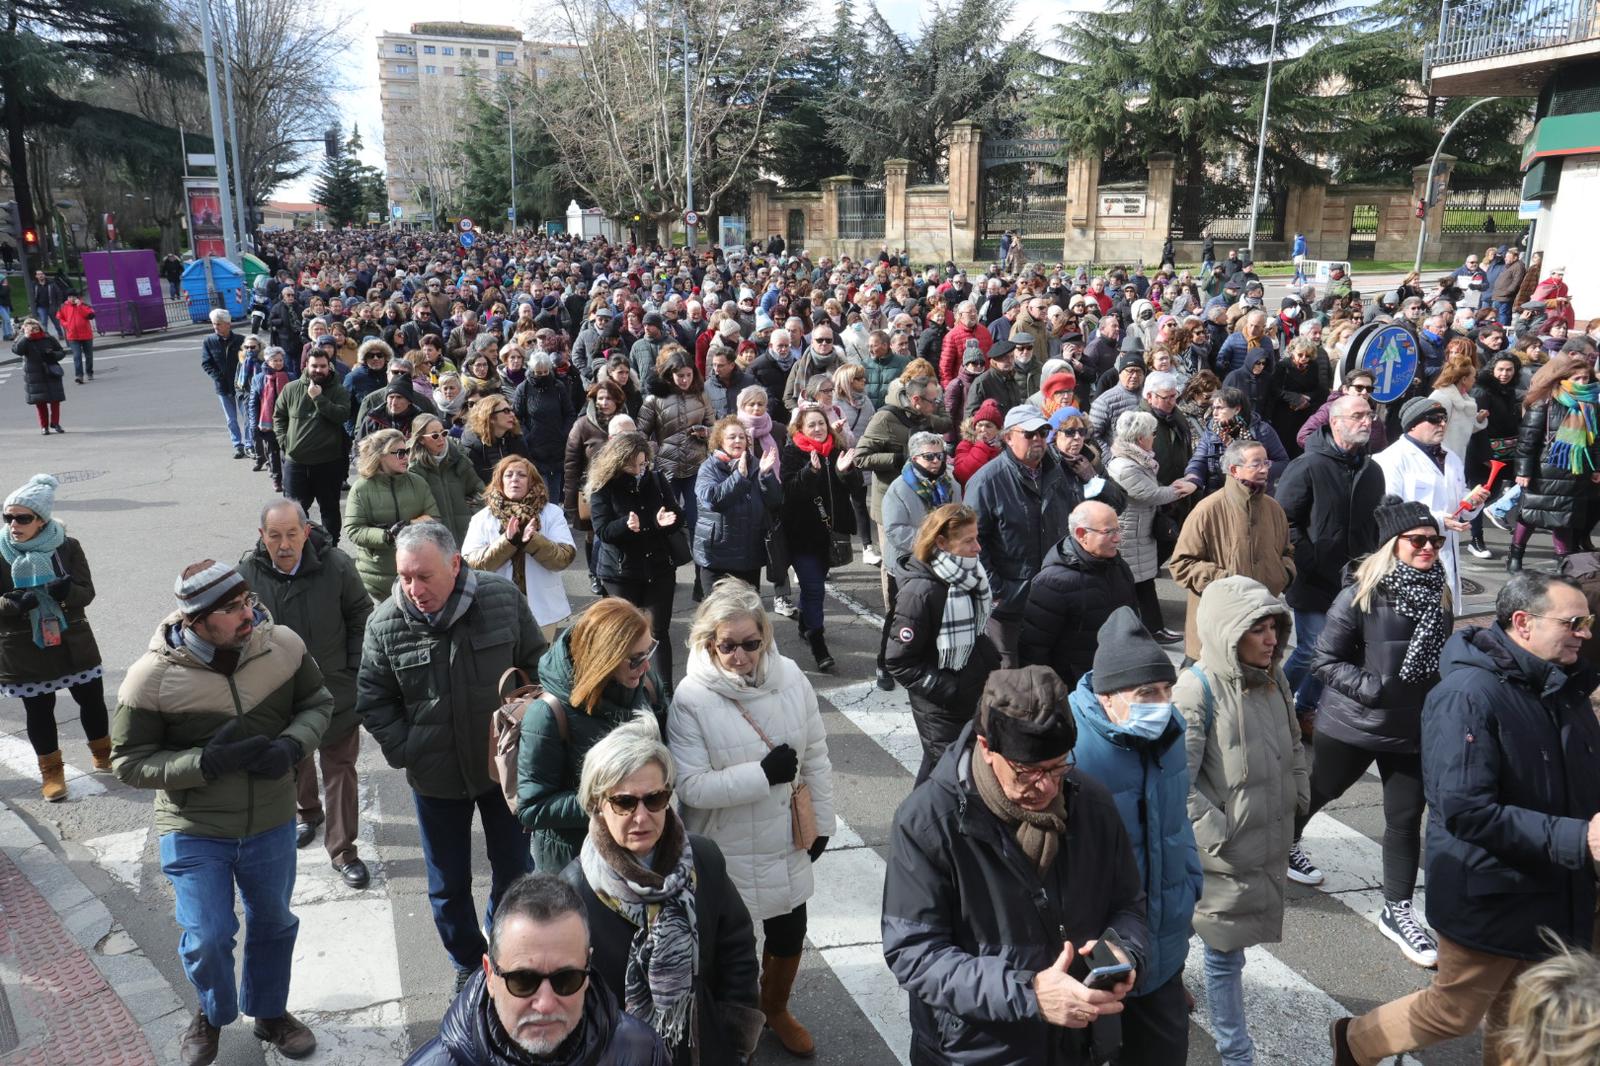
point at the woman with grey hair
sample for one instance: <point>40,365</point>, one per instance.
<point>545,411</point>
<point>669,934</point>
<point>745,730</point>
<point>1133,467</point>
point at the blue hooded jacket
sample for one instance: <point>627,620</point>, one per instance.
<point>1149,780</point>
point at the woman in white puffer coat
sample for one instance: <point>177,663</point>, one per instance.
<point>745,730</point>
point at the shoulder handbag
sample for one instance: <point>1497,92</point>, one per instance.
<point>802,814</point>
<point>840,551</point>
<point>505,729</point>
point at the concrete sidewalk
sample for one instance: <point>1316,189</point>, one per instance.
<point>111,342</point>
<point>74,987</point>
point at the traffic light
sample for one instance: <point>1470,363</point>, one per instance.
<point>330,142</point>
<point>1422,208</point>
<point>30,239</point>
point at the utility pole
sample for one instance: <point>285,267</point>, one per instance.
<point>230,39</point>
<point>230,239</point>
<point>688,138</point>
<point>1261,138</point>
<point>511,141</point>
<point>1433,165</point>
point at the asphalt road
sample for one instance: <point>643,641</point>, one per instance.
<point>149,485</point>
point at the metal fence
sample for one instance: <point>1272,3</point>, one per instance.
<point>1492,212</point>
<point>1223,214</point>
<point>861,213</point>
<point>1472,30</point>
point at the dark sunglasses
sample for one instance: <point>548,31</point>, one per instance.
<point>400,452</point>
<point>436,435</point>
<point>636,661</point>
<point>1078,432</point>
<point>19,519</point>
<point>1418,541</point>
<point>749,647</point>
<point>1576,624</point>
<point>525,983</point>
<point>1360,388</point>
<point>654,802</point>
<point>1438,418</point>
<point>1035,434</point>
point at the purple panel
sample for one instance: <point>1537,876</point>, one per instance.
<point>124,287</point>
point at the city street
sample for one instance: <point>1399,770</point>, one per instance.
<point>149,485</point>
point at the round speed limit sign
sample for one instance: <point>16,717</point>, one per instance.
<point>466,225</point>
<point>691,218</point>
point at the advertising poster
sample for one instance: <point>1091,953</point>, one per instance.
<point>205,217</point>
<point>731,229</point>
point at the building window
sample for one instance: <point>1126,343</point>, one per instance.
<point>505,57</point>
<point>430,69</point>
<point>428,50</point>
<point>404,50</point>
<point>402,68</point>
<point>483,53</point>
<point>449,51</point>
<point>449,71</point>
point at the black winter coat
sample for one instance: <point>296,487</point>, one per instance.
<point>1504,405</point>
<point>1555,497</point>
<point>1019,518</point>
<point>21,660</point>
<point>43,379</point>
<point>622,553</point>
<point>967,920</point>
<point>1358,657</point>
<point>1509,749</point>
<point>911,654</point>
<point>544,411</point>
<point>484,456</point>
<point>810,494</point>
<point>1069,599</point>
<point>1330,498</point>
<point>727,970</point>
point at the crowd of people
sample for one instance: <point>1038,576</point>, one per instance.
<point>1020,456</point>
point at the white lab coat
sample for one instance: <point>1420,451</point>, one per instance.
<point>1410,474</point>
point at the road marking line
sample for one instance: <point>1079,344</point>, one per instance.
<point>122,855</point>
<point>19,757</point>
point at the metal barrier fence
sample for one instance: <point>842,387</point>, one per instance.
<point>1487,211</point>
<point>140,317</point>
<point>861,213</point>
<point>1483,29</point>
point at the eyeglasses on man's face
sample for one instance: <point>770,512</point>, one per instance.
<point>1029,775</point>
<point>1583,623</point>
<point>524,984</point>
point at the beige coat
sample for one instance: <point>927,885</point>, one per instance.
<point>1248,772</point>
<point>1230,532</point>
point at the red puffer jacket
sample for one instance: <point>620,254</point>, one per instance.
<point>76,319</point>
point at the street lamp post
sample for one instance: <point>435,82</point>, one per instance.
<point>1261,138</point>
<point>230,241</point>
<point>511,143</point>
<point>1433,165</point>
<point>688,140</point>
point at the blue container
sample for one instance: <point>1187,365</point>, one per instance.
<point>209,278</point>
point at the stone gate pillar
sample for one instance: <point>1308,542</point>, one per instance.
<point>761,227</point>
<point>966,174</point>
<point>1083,209</point>
<point>895,172</point>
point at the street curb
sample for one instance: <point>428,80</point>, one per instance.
<point>115,341</point>
<point>155,1005</point>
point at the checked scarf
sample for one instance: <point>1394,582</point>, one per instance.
<point>966,607</point>
<point>1419,595</point>
<point>664,957</point>
<point>1576,434</point>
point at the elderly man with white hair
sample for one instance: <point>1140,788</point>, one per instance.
<point>219,358</point>
<point>771,371</point>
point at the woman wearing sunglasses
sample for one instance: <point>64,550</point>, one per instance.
<point>439,460</point>
<point>1557,456</point>
<point>670,936</point>
<point>522,536</point>
<point>46,644</point>
<point>1379,657</point>
<point>382,500</point>
<point>596,676</point>
<point>746,732</point>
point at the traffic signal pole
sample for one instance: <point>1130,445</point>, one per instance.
<point>15,214</point>
<point>219,143</point>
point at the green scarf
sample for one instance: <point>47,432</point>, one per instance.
<point>1576,434</point>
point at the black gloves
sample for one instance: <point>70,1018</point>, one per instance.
<point>817,847</point>
<point>279,758</point>
<point>60,587</point>
<point>224,755</point>
<point>780,765</point>
<point>23,599</point>
<point>393,531</point>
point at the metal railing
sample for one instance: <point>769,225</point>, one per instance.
<point>1472,30</point>
<point>1492,212</point>
<point>861,213</point>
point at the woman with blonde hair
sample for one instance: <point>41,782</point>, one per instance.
<point>1453,390</point>
<point>383,500</point>
<point>596,676</point>
<point>492,433</point>
<point>523,536</point>
<point>750,743</point>
<point>439,460</point>
<point>1554,1016</point>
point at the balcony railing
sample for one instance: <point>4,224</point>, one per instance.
<point>1474,30</point>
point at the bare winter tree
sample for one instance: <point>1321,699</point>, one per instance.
<point>617,117</point>
<point>426,140</point>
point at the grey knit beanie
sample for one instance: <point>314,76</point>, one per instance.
<point>38,496</point>
<point>204,586</point>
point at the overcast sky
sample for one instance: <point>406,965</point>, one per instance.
<point>360,105</point>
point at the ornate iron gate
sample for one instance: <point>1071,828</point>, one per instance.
<point>1023,189</point>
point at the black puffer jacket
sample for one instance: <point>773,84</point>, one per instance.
<point>1504,404</point>
<point>624,553</point>
<point>1068,601</point>
<point>1358,658</point>
<point>1329,497</point>
<point>39,356</point>
<point>912,655</point>
<point>1019,518</point>
<point>967,921</point>
<point>544,410</point>
<point>1508,766</point>
<point>607,1037</point>
<point>1555,497</point>
<point>669,419</point>
<point>806,490</point>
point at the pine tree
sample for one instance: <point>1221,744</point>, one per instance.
<point>347,188</point>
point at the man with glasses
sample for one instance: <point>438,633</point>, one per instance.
<point>1083,580</point>
<point>1419,467</point>
<point>1023,507</point>
<point>309,419</point>
<point>540,990</point>
<point>1508,742</point>
<point>1330,494</point>
<point>992,956</point>
<point>427,687</point>
<point>1238,530</point>
<point>1357,382</point>
<point>215,716</point>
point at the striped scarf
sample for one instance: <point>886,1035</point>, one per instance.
<point>1571,448</point>
<point>966,607</point>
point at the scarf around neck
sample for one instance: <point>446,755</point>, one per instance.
<point>38,554</point>
<point>1571,448</point>
<point>823,447</point>
<point>932,491</point>
<point>1131,451</point>
<point>458,604</point>
<point>966,607</point>
<point>664,955</point>
<point>1038,833</point>
<point>759,427</point>
<point>1419,596</point>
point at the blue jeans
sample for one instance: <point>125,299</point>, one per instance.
<point>554,480</point>
<point>1225,991</point>
<point>203,872</point>
<point>7,326</point>
<point>446,828</point>
<point>82,357</point>
<point>247,418</point>
<point>1502,312</point>
<point>1308,626</point>
<point>230,414</point>
<point>812,570</point>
